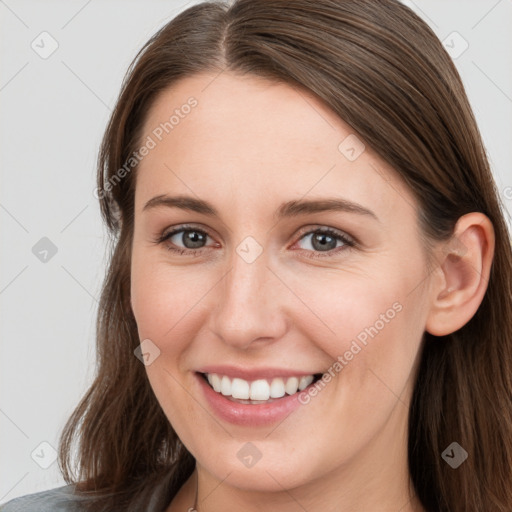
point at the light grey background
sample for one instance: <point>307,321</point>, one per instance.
<point>54,111</point>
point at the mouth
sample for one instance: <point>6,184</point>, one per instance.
<point>259,391</point>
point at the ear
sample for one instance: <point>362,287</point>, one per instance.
<point>461,280</point>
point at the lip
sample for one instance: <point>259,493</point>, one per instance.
<point>251,374</point>
<point>247,414</point>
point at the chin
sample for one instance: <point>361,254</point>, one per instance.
<point>263,476</point>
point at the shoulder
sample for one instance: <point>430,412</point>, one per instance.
<point>59,499</point>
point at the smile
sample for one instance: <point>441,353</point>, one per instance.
<point>260,390</point>
<point>253,397</point>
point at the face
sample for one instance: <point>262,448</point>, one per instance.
<point>244,280</point>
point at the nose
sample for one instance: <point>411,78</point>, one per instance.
<point>250,305</point>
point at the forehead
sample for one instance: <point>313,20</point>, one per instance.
<point>251,138</point>
<point>257,114</point>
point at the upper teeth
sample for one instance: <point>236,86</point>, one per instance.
<point>258,389</point>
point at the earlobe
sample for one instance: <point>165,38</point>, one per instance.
<point>463,274</point>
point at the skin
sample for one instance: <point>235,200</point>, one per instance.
<point>247,147</point>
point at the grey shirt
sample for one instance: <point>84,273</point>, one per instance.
<point>62,499</point>
<point>59,499</point>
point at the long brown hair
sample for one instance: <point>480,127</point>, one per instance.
<point>383,71</point>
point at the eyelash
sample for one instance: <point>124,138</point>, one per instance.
<point>348,242</point>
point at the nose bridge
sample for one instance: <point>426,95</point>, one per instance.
<point>247,308</point>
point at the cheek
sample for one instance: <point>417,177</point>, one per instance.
<point>370,326</point>
<point>165,304</point>
<point>347,306</point>
<point>161,296</point>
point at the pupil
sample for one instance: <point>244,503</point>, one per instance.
<point>323,240</point>
<point>194,238</point>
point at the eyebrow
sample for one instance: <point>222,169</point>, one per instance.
<point>293,208</point>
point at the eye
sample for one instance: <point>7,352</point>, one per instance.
<point>321,240</point>
<point>325,240</point>
<point>192,239</point>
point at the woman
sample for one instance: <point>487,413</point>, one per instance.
<point>308,304</point>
